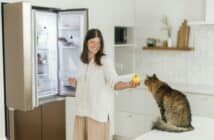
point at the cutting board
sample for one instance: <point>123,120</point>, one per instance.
<point>183,35</point>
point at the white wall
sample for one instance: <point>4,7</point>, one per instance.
<point>102,14</point>
<point>191,71</point>
<point>149,13</point>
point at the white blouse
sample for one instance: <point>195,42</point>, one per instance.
<point>94,94</point>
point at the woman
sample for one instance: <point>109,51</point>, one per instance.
<point>95,84</point>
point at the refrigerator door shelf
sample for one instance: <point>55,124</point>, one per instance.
<point>72,27</point>
<point>47,56</point>
<point>45,100</point>
<point>46,85</point>
<point>42,69</point>
<point>47,93</point>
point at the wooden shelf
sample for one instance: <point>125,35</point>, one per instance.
<point>168,49</point>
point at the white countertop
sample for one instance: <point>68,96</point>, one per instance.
<point>203,130</point>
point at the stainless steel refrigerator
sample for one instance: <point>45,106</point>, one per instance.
<point>42,49</point>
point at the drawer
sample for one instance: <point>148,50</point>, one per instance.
<point>131,125</point>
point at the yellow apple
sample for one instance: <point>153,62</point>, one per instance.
<point>136,79</point>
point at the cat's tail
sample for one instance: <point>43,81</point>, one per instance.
<point>161,125</point>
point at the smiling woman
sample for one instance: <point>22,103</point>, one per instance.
<point>95,83</point>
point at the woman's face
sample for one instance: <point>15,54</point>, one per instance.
<point>94,45</point>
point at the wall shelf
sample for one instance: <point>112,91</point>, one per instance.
<point>168,49</point>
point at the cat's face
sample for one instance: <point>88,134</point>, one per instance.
<point>150,80</point>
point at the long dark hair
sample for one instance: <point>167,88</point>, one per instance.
<point>92,33</point>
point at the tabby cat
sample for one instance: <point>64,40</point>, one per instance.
<point>173,104</point>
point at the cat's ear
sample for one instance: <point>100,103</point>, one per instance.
<point>155,77</point>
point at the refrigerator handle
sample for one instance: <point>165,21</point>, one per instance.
<point>59,81</point>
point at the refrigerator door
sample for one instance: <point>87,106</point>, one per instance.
<point>45,46</point>
<point>18,60</point>
<point>72,27</point>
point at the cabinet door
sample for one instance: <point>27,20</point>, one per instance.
<point>124,59</point>
<point>46,122</point>
<point>209,11</point>
<point>18,55</point>
<point>129,125</point>
<point>53,121</point>
<point>72,27</point>
<point>28,125</point>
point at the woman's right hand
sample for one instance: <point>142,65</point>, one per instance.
<point>72,81</point>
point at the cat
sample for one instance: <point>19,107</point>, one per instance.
<point>173,104</point>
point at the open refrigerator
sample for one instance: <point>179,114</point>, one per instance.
<point>42,49</point>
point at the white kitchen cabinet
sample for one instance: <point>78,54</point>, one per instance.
<point>133,114</point>
<point>124,59</point>
<point>70,109</point>
<point>209,16</point>
<point>125,14</point>
<point>209,11</point>
<point>124,50</point>
<point>129,125</point>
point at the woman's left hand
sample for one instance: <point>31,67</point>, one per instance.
<point>72,81</point>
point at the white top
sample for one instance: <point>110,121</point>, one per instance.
<point>203,130</point>
<point>94,94</point>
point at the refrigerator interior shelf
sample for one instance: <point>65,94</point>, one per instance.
<point>73,47</point>
<point>69,28</point>
<point>42,75</point>
<point>42,49</point>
